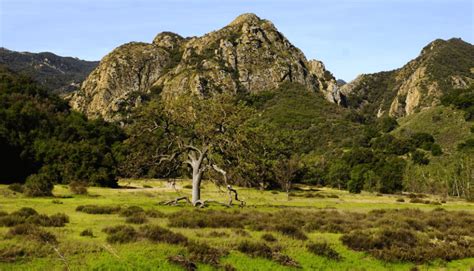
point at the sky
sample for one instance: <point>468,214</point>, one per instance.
<point>350,36</point>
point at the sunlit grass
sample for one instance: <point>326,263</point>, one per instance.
<point>94,253</point>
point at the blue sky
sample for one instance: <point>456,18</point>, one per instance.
<point>350,37</point>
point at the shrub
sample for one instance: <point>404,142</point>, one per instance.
<point>159,234</point>
<point>78,188</point>
<point>16,187</point>
<point>291,231</point>
<point>218,234</point>
<point>416,200</point>
<point>138,218</point>
<point>131,210</point>
<point>324,250</point>
<point>255,249</point>
<point>406,245</point>
<point>87,232</point>
<point>269,237</point>
<point>94,209</point>
<point>56,201</point>
<point>436,150</point>
<point>262,250</point>
<point>203,253</point>
<point>25,212</point>
<point>209,219</point>
<point>419,158</point>
<point>33,233</point>
<point>188,186</point>
<point>182,261</point>
<point>154,213</point>
<point>57,220</point>
<point>38,185</point>
<point>400,200</point>
<point>121,234</point>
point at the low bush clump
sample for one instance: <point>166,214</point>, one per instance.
<point>95,209</point>
<point>33,232</point>
<point>269,237</point>
<point>131,210</point>
<point>400,200</point>
<point>407,245</point>
<point>203,253</point>
<point>87,232</point>
<point>153,233</point>
<point>154,213</point>
<point>254,249</point>
<point>78,188</point>
<point>291,231</point>
<point>206,219</point>
<point>158,234</point>
<point>16,187</point>
<point>30,216</point>
<point>416,200</point>
<point>182,261</point>
<point>138,218</point>
<point>38,185</point>
<point>262,250</point>
<point>218,234</point>
<point>324,250</point>
<point>121,234</point>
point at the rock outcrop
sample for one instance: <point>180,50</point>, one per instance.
<point>247,56</point>
<point>420,84</point>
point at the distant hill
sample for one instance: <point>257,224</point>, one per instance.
<point>442,66</point>
<point>61,75</point>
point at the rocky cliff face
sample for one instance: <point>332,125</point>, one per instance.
<point>247,56</point>
<point>441,67</point>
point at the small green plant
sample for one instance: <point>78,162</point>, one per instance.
<point>87,232</point>
<point>16,187</point>
<point>78,188</point>
<point>269,237</point>
<point>324,250</point>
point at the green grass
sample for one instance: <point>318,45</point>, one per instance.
<point>94,253</point>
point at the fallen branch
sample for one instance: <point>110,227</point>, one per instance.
<point>175,201</point>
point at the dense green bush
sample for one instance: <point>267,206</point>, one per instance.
<point>419,158</point>
<point>324,250</point>
<point>39,185</point>
<point>39,134</point>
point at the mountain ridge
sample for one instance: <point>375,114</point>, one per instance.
<point>441,66</point>
<point>59,74</point>
<point>248,55</point>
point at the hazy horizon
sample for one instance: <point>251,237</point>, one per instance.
<point>350,37</point>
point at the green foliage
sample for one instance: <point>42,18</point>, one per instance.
<point>41,135</point>
<point>467,145</point>
<point>358,178</point>
<point>387,124</point>
<point>436,150</point>
<point>39,185</point>
<point>422,140</point>
<point>419,158</point>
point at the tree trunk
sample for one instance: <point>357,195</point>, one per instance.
<point>196,158</point>
<point>196,193</point>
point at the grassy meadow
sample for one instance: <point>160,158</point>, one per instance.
<point>246,240</point>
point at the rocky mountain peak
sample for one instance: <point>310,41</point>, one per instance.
<point>442,65</point>
<point>249,18</point>
<point>247,56</point>
<point>168,40</point>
